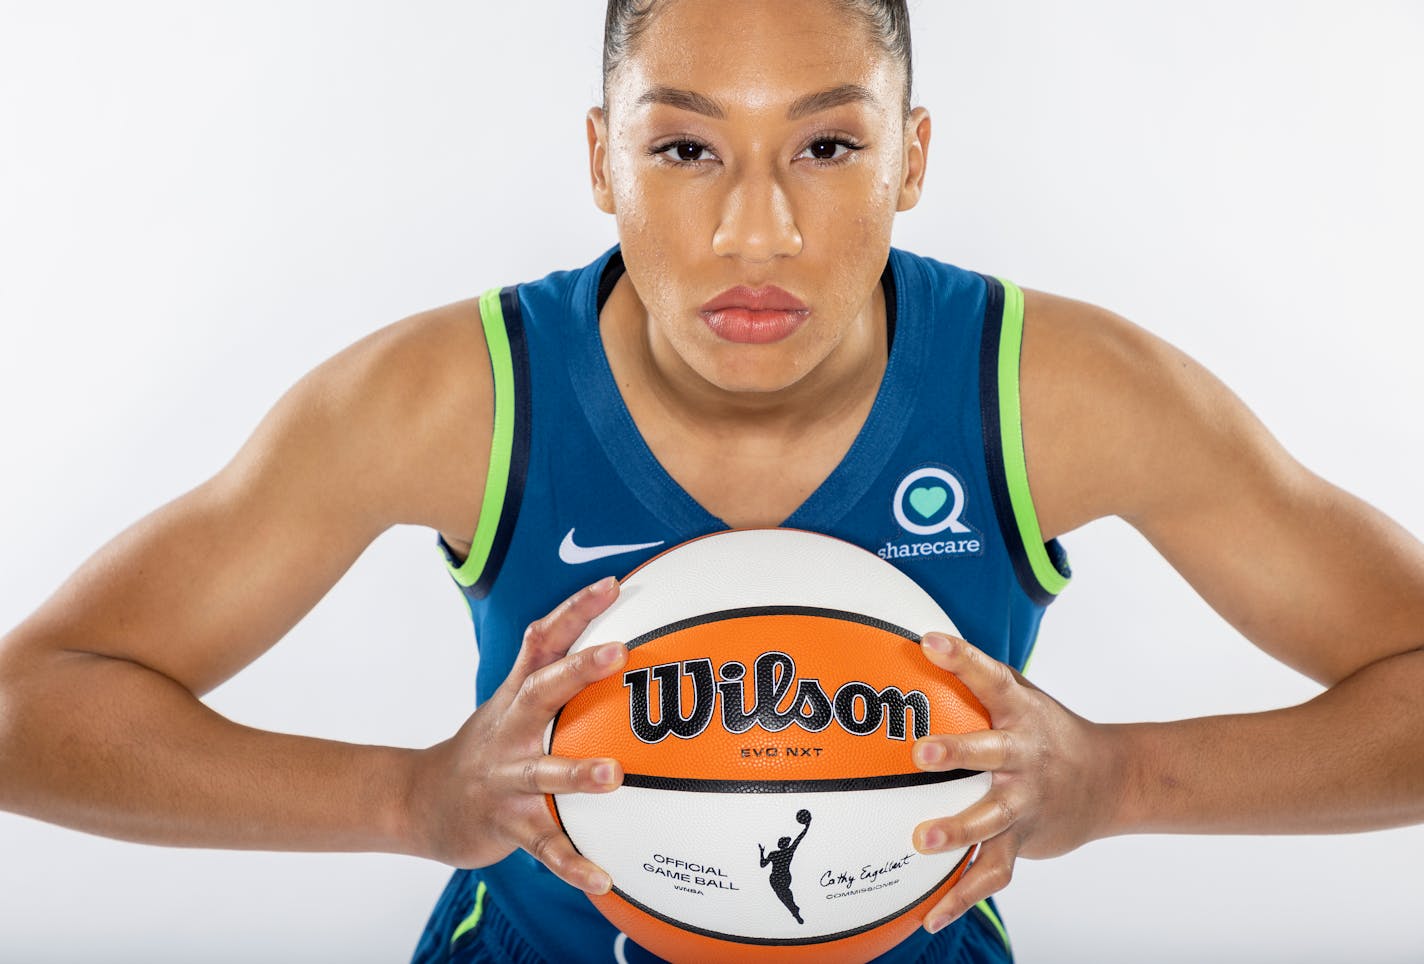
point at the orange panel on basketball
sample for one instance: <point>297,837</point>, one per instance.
<point>745,680</point>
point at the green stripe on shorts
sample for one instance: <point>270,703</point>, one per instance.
<point>469,923</point>
<point>993,918</point>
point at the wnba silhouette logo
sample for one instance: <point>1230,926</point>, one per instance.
<point>929,501</point>
<point>780,860</point>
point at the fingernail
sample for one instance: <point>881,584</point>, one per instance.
<point>608,653</point>
<point>599,883</point>
<point>604,584</point>
<point>929,752</point>
<point>937,642</point>
<point>604,773</point>
<point>934,840</point>
<point>933,924</point>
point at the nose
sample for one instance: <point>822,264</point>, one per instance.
<point>758,223</point>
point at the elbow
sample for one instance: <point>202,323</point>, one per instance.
<point>1397,676</point>
<point>11,724</point>
<point>24,705</point>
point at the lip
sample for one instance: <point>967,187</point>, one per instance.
<point>770,298</point>
<point>754,316</point>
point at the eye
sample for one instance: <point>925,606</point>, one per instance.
<point>822,158</point>
<point>684,152</point>
<point>824,150</point>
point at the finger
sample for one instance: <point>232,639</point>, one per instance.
<point>547,844</point>
<point>990,873</point>
<point>980,820</point>
<point>548,639</point>
<point>976,750</point>
<point>988,679</point>
<point>544,692</point>
<point>557,774</point>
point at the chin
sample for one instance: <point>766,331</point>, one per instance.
<point>753,369</point>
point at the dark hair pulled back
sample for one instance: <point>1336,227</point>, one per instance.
<point>887,20</point>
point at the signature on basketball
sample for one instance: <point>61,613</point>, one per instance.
<point>869,873</point>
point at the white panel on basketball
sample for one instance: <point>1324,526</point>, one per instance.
<point>746,568</point>
<point>855,863</point>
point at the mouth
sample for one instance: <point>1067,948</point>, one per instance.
<point>757,316</point>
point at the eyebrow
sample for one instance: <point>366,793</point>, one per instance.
<point>801,107</point>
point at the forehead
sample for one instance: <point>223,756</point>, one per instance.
<point>754,55</point>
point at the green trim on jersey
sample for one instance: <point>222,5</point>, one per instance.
<point>1011,433</point>
<point>501,443</point>
<point>469,923</point>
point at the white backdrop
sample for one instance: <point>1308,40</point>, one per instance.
<point>200,202</point>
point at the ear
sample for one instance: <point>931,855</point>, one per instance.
<point>598,167</point>
<point>917,152</point>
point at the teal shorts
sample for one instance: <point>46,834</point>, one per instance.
<point>469,926</point>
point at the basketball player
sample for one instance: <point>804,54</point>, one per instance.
<point>751,353</point>
<point>780,860</point>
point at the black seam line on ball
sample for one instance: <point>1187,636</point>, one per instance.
<point>849,617</point>
<point>789,941</point>
<point>889,781</point>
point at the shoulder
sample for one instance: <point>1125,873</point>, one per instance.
<point>1117,421</point>
<point>408,408</point>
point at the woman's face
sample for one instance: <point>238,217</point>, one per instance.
<point>768,193</point>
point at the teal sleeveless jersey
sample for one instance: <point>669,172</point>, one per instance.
<point>935,483</point>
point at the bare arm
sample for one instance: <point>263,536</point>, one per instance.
<point>101,727</point>
<point>1117,422</point>
<point>1312,575</point>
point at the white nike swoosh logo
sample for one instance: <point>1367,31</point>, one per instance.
<point>574,554</point>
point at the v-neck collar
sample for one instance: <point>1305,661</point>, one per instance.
<point>660,493</point>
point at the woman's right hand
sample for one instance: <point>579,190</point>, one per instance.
<point>480,794</point>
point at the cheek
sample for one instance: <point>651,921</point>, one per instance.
<point>654,211</point>
<point>847,208</point>
<point>653,233</point>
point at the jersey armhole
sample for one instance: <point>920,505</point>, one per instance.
<point>509,445</point>
<point>1041,567</point>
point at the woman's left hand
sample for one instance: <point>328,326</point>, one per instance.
<point>1054,777</point>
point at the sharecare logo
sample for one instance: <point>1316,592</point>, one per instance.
<point>858,708</point>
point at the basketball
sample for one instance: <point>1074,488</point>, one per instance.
<point>765,720</point>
